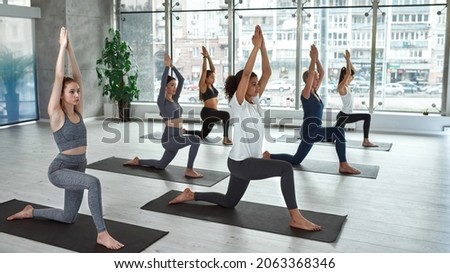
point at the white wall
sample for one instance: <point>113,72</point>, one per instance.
<point>381,121</point>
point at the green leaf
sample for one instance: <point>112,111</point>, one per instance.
<point>115,65</point>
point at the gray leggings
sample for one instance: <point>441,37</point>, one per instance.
<point>241,172</point>
<point>173,140</point>
<point>67,172</point>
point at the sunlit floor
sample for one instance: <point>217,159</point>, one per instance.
<point>404,210</point>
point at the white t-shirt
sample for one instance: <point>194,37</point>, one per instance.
<point>248,131</point>
<point>347,102</point>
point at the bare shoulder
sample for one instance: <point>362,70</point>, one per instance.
<point>57,118</point>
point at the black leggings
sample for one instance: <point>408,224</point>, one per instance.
<point>242,172</point>
<point>210,117</point>
<point>343,118</point>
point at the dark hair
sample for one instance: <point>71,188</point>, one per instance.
<point>232,82</point>
<point>208,73</point>
<point>169,79</point>
<point>343,72</point>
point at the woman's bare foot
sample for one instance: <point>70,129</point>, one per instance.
<point>132,162</point>
<point>186,195</point>
<point>367,143</point>
<point>298,221</point>
<point>227,141</point>
<point>266,155</point>
<point>192,174</point>
<point>104,239</point>
<point>345,168</point>
<point>27,212</point>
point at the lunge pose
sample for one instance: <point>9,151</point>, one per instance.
<point>173,138</point>
<point>245,159</point>
<point>312,130</point>
<point>67,171</point>
<point>346,114</point>
<point>208,94</point>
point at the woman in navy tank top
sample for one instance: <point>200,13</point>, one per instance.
<point>312,130</point>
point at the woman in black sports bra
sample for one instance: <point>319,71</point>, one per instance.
<point>208,94</point>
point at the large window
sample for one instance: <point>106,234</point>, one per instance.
<point>18,95</point>
<point>407,43</point>
<point>17,2</point>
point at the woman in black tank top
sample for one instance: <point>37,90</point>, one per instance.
<point>209,96</point>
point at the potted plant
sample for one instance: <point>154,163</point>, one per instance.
<point>12,69</point>
<point>117,72</point>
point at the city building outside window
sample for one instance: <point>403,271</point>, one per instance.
<point>409,47</point>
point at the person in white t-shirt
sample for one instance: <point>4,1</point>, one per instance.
<point>245,160</point>
<point>346,114</point>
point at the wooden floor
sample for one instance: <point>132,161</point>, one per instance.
<point>406,209</point>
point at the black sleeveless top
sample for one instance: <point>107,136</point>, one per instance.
<point>209,93</point>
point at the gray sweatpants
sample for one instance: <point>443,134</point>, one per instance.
<point>241,172</point>
<point>67,172</point>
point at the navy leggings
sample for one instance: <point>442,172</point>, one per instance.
<point>172,141</point>
<point>310,134</point>
<point>343,118</point>
<point>67,172</point>
<point>242,172</point>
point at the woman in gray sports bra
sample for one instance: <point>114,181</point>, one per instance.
<point>173,138</point>
<point>67,171</point>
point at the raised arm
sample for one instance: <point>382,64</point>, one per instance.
<point>248,68</point>
<point>206,60</point>
<point>162,89</point>
<point>313,54</point>
<point>54,109</point>
<point>266,69</point>
<point>348,75</point>
<point>319,70</point>
<point>180,79</point>
<point>76,73</point>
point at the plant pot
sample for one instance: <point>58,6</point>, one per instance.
<point>12,106</point>
<point>124,110</point>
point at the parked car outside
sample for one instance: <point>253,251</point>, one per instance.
<point>191,86</point>
<point>360,86</point>
<point>279,85</point>
<point>434,89</point>
<point>409,87</point>
<point>390,89</point>
<point>265,99</point>
<point>189,96</point>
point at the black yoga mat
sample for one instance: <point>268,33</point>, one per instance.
<point>154,136</point>
<point>252,216</point>
<point>210,140</point>
<point>171,173</point>
<point>80,236</point>
<point>329,167</point>
<point>355,144</point>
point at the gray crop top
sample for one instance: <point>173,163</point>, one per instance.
<point>170,109</point>
<point>71,135</point>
